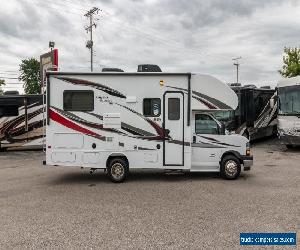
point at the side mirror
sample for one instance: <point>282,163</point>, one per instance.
<point>272,104</point>
<point>222,129</point>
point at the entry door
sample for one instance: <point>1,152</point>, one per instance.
<point>173,154</point>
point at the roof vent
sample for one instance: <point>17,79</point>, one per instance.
<point>266,87</point>
<point>112,70</point>
<point>148,68</point>
<point>11,92</point>
<point>250,86</point>
<point>234,84</point>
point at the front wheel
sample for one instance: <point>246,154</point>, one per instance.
<point>289,146</point>
<point>230,167</point>
<point>117,170</point>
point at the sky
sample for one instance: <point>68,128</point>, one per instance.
<point>178,35</point>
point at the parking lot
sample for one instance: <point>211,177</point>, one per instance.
<point>60,207</point>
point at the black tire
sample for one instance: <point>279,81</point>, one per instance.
<point>2,149</point>
<point>289,146</point>
<point>117,170</point>
<point>230,168</point>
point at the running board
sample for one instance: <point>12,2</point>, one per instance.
<point>174,171</point>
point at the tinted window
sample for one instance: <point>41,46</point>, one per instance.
<point>174,108</point>
<point>289,100</point>
<point>204,124</point>
<point>9,111</point>
<point>152,107</point>
<point>77,100</point>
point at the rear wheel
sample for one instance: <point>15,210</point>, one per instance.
<point>230,167</point>
<point>117,170</point>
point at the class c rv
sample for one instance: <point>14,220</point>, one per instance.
<point>289,111</point>
<point>121,121</point>
<point>21,121</point>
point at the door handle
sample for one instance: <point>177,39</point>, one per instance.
<point>194,139</point>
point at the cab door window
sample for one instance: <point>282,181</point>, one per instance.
<point>205,124</point>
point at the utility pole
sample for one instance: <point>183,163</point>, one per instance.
<point>89,28</point>
<point>237,64</point>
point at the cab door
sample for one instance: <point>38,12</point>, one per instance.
<point>173,123</point>
<point>206,147</point>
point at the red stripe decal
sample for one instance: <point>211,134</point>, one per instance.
<point>63,121</point>
<point>160,131</point>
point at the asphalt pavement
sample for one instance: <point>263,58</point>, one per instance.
<point>67,208</point>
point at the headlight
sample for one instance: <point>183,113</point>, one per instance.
<point>248,151</point>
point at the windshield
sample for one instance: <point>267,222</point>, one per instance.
<point>223,115</point>
<point>289,100</point>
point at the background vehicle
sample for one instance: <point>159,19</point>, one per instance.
<point>289,111</point>
<point>119,121</point>
<point>253,118</point>
<point>21,121</point>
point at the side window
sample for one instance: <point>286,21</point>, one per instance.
<point>78,100</point>
<point>173,108</point>
<point>152,107</point>
<point>9,111</point>
<point>204,124</point>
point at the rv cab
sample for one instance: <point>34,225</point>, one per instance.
<point>211,141</point>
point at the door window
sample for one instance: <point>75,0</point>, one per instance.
<point>204,124</point>
<point>174,109</point>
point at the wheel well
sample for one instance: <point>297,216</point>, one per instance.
<point>233,153</point>
<point>119,156</point>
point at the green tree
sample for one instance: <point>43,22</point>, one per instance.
<point>291,62</point>
<point>2,83</point>
<point>30,75</point>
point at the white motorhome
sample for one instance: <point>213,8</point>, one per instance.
<point>122,121</point>
<point>289,111</point>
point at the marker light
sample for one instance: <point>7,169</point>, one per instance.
<point>161,82</point>
<point>248,151</point>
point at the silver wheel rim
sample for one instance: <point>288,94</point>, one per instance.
<point>231,168</point>
<point>117,171</point>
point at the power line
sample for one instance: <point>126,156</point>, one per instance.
<point>85,9</point>
<point>62,3</point>
<point>51,7</point>
<point>14,71</point>
<point>13,83</point>
<point>8,77</point>
<point>8,72</point>
<point>156,37</point>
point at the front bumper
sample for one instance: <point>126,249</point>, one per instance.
<point>289,139</point>
<point>247,162</point>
